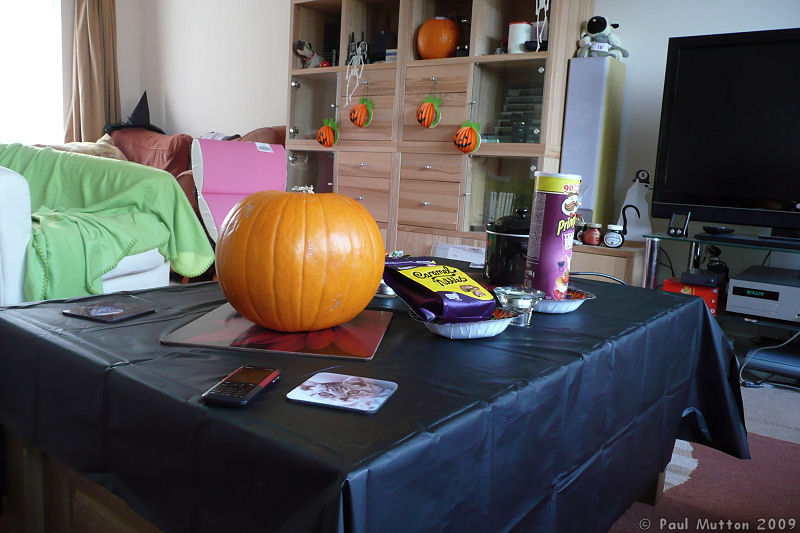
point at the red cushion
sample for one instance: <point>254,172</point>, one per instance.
<point>172,153</point>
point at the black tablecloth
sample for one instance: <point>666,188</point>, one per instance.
<point>556,427</point>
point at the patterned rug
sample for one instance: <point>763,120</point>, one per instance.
<point>681,465</point>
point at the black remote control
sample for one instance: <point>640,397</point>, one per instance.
<point>717,230</point>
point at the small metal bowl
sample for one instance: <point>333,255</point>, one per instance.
<point>385,291</point>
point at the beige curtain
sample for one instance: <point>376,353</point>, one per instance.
<point>95,82</point>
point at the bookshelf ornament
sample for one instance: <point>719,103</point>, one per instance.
<point>328,134</point>
<point>361,114</point>
<point>468,137</point>
<point>429,113</point>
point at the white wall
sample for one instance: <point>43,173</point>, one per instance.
<point>207,65</point>
<point>645,27</point>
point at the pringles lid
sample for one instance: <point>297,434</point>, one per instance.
<point>517,224</point>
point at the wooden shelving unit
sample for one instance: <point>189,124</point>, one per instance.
<point>418,186</point>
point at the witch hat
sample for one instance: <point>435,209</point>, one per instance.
<point>139,118</point>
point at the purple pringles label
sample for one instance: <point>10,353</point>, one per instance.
<point>553,215</point>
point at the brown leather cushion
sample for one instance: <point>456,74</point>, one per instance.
<point>272,135</point>
<point>172,153</point>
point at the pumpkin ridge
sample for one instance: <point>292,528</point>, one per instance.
<point>324,211</point>
<point>255,308</point>
<point>350,261</point>
<point>246,296</point>
<point>281,218</point>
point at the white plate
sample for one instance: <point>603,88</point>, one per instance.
<point>566,305</point>
<point>470,330</point>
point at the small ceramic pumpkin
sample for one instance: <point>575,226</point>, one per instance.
<point>429,113</point>
<point>468,138</point>
<point>437,38</point>
<point>361,114</point>
<point>298,261</point>
<point>328,135</point>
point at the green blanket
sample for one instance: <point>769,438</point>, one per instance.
<point>89,212</point>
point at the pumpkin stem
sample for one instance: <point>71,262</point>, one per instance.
<point>309,189</point>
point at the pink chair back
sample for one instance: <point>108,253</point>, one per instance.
<point>227,171</point>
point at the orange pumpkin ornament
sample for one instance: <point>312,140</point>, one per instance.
<point>298,261</point>
<point>328,135</point>
<point>437,38</point>
<point>361,114</point>
<point>468,137</point>
<point>429,113</point>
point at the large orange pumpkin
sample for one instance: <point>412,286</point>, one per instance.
<point>438,38</point>
<point>298,261</point>
<point>467,138</point>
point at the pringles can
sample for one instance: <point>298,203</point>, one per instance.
<point>553,216</point>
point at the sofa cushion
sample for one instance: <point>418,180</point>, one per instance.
<point>166,152</point>
<point>269,135</point>
<point>135,263</point>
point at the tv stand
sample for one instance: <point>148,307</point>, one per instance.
<point>753,241</point>
<point>784,361</point>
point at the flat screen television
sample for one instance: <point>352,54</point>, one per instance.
<point>729,140</point>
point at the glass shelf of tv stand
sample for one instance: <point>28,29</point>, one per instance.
<point>761,244</point>
<point>652,244</point>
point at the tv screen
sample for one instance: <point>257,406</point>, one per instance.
<point>729,141</point>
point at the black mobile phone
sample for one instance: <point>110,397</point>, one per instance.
<point>240,386</point>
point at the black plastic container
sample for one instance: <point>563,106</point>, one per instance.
<point>507,248</point>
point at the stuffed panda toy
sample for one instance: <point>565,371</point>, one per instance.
<point>599,41</point>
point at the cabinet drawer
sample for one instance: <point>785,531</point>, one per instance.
<point>428,203</point>
<point>372,193</point>
<point>373,82</point>
<point>373,164</point>
<point>449,79</point>
<point>434,167</point>
<point>454,113</point>
<point>380,129</point>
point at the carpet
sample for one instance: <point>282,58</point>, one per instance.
<point>748,493</point>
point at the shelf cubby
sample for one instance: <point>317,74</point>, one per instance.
<point>313,99</point>
<point>496,187</point>
<point>310,167</point>
<point>508,99</point>
<point>318,22</point>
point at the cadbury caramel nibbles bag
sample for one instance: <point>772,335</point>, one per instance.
<point>438,291</point>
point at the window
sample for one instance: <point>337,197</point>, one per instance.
<point>31,89</point>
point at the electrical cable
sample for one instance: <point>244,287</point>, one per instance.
<point>755,351</point>
<point>671,269</point>
<point>765,258</point>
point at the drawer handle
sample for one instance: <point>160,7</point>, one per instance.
<point>362,164</point>
<point>425,203</point>
<point>365,82</point>
<point>428,167</point>
<point>434,78</point>
<point>359,197</point>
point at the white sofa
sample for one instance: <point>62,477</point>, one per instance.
<point>140,271</point>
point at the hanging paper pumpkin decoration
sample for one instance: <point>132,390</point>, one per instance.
<point>468,137</point>
<point>328,135</point>
<point>299,261</point>
<point>429,114</point>
<point>361,114</point>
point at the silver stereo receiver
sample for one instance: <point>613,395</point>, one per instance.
<point>766,292</point>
